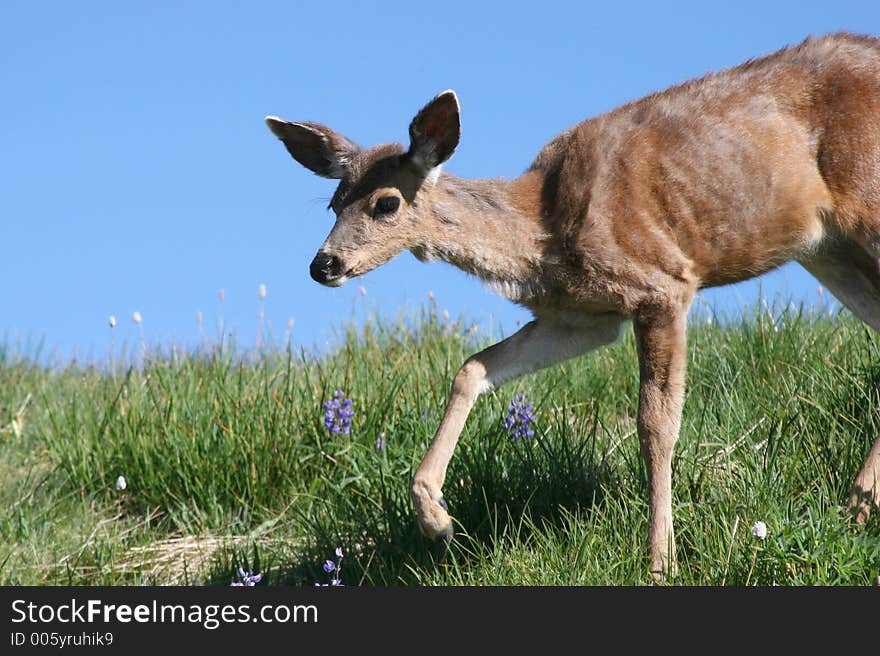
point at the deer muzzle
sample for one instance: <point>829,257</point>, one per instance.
<point>328,270</point>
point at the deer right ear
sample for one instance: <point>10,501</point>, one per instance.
<point>435,131</point>
<point>315,146</point>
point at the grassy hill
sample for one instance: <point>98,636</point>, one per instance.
<point>227,462</point>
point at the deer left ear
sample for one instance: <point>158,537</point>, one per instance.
<point>435,131</point>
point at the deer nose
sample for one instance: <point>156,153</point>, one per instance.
<point>324,267</point>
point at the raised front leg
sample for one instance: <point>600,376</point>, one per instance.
<point>662,348</point>
<point>537,345</point>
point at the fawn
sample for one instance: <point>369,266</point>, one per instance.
<point>624,217</point>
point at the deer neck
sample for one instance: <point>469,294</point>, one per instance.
<point>490,228</point>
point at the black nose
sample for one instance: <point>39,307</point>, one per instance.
<point>324,267</point>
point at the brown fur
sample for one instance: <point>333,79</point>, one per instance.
<point>626,216</point>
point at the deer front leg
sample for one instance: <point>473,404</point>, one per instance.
<point>662,350</point>
<point>538,344</point>
<point>865,494</point>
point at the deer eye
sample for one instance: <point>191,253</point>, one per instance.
<point>387,205</point>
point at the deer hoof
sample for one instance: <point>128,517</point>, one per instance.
<point>432,512</point>
<point>663,571</point>
<point>860,505</point>
<point>441,544</point>
<point>861,513</point>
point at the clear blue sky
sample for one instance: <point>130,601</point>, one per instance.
<point>136,172</point>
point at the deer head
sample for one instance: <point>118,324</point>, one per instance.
<point>377,202</point>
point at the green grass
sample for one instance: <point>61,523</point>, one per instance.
<point>228,463</point>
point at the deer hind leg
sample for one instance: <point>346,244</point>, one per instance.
<point>662,349</point>
<point>537,345</point>
<point>852,273</point>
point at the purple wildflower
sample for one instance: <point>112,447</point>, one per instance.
<point>519,419</point>
<point>330,566</point>
<point>248,579</point>
<point>338,413</point>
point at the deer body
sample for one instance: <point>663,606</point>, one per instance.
<point>625,217</point>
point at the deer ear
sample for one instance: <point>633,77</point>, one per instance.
<point>435,131</point>
<point>315,146</point>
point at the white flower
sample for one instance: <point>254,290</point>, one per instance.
<point>221,294</point>
<point>759,530</point>
<point>199,317</point>
<point>112,321</point>
<point>120,483</point>
<point>362,290</point>
<point>137,317</point>
<point>262,291</point>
